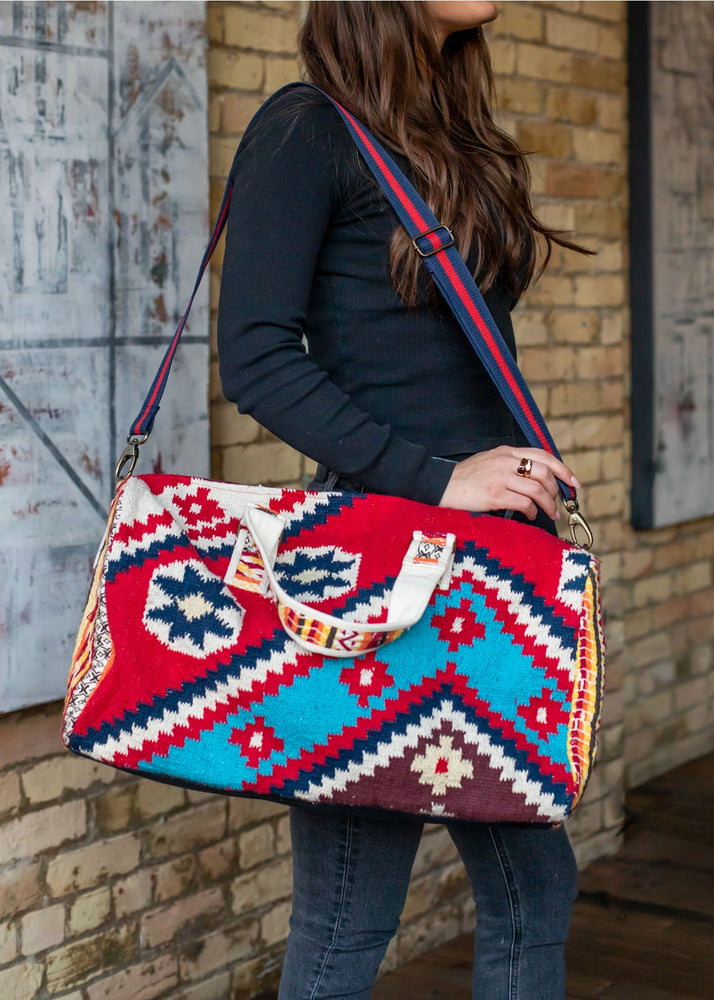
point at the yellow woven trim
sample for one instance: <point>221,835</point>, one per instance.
<point>330,637</point>
<point>587,689</point>
<point>249,574</point>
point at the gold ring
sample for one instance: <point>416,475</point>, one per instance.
<point>524,469</point>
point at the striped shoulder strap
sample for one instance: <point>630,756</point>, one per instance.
<point>435,245</point>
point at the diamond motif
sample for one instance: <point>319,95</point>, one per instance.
<point>257,742</point>
<point>459,626</point>
<point>544,715</point>
<point>367,679</point>
<point>442,766</point>
<point>199,510</point>
<point>314,574</point>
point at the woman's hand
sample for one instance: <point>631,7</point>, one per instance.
<point>490,481</point>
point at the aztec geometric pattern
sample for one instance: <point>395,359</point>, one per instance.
<point>487,708</point>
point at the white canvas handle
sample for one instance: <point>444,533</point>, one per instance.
<point>426,565</point>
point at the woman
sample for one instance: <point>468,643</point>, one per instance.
<point>391,398</point>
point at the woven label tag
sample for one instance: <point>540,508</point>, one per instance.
<point>434,550</point>
<point>246,570</point>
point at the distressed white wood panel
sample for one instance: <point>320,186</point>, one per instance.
<point>103,220</point>
<point>683,250</point>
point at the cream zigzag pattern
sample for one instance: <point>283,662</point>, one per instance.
<point>221,691</point>
<point>536,627</point>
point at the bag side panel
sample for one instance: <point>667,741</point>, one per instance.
<point>588,688</point>
<point>92,650</point>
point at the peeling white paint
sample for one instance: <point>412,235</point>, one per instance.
<point>103,221</point>
<point>683,280</point>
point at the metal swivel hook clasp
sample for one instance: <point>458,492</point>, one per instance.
<point>577,521</point>
<point>130,456</point>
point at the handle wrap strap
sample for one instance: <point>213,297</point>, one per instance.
<point>426,565</point>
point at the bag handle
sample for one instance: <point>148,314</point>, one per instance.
<point>426,566</point>
<point>435,244</point>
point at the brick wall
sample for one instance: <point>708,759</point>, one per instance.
<point>111,887</point>
<point>561,76</point>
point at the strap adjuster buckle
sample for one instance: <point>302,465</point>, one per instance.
<point>449,242</point>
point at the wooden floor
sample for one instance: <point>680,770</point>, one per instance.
<point>643,926</point>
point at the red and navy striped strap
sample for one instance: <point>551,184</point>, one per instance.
<point>144,421</point>
<point>434,243</point>
<point>451,275</point>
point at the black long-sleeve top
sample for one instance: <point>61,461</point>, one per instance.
<point>383,394</point>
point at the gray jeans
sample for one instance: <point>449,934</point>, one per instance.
<point>351,875</point>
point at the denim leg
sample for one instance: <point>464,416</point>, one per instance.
<point>350,880</point>
<point>524,883</point>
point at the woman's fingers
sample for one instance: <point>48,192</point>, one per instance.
<point>507,478</point>
<point>539,473</point>
<point>544,494</point>
<point>522,504</point>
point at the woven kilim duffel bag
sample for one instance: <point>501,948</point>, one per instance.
<point>343,648</point>
<point>221,648</point>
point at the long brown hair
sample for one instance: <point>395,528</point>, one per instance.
<point>381,60</point>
